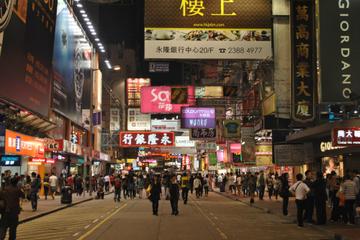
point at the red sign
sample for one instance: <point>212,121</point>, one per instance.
<point>147,139</point>
<point>346,136</point>
<point>43,160</point>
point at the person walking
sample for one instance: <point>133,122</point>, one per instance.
<point>350,191</point>
<point>320,196</point>
<point>53,180</point>
<point>174,195</point>
<point>309,201</point>
<point>334,186</point>
<point>34,189</point>
<point>93,184</point>
<point>185,187</point>
<point>46,183</point>
<point>191,184</point>
<point>284,192</point>
<point>155,194</point>
<point>261,181</point>
<point>252,187</point>
<point>197,185</point>
<point>277,184</point>
<point>238,184</point>
<point>206,185</point>
<point>117,188</point>
<point>107,183</point>
<point>300,190</point>
<point>140,186</point>
<point>270,185</point>
<point>11,196</point>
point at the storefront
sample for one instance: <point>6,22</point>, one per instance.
<point>69,158</point>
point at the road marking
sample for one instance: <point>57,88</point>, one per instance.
<point>222,234</point>
<point>88,233</point>
<point>95,220</point>
<point>87,226</point>
<point>76,234</point>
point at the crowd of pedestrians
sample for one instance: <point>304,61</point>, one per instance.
<point>315,195</point>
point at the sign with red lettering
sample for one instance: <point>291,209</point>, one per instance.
<point>147,139</point>
<point>346,136</point>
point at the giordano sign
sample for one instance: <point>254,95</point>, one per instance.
<point>204,29</point>
<point>327,146</point>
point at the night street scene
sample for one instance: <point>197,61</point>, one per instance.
<point>179,119</point>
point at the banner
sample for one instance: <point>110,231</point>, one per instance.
<point>232,129</point>
<point>25,60</point>
<point>72,66</point>
<point>304,65</point>
<point>137,120</point>
<point>203,133</point>
<point>195,117</point>
<point>217,29</point>
<point>339,50</point>
<point>158,99</point>
<point>147,139</point>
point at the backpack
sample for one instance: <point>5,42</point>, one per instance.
<point>117,183</point>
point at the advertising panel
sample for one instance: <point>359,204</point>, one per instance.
<point>235,151</point>
<point>209,92</point>
<point>71,65</point>
<point>184,141</point>
<point>232,129</point>
<point>263,155</point>
<point>339,48</point>
<point>133,90</point>
<point>207,146</point>
<point>10,160</point>
<point>114,119</point>
<point>25,60</point>
<point>248,149</point>
<point>203,133</point>
<point>195,117</point>
<point>165,125</point>
<point>147,139</point>
<point>20,144</point>
<point>137,120</point>
<point>346,136</point>
<point>304,66</point>
<point>158,99</point>
<point>218,29</point>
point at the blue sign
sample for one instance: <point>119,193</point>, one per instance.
<point>10,160</point>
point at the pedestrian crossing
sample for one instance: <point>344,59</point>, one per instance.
<point>68,223</point>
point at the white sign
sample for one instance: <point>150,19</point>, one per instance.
<point>137,120</point>
<point>209,146</point>
<point>165,125</point>
<point>184,141</point>
<point>114,119</point>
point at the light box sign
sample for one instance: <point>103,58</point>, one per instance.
<point>147,139</point>
<point>195,117</point>
<point>165,125</point>
<point>20,144</point>
<point>217,29</point>
<point>10,160</point>
<point>203,133</point>
<point>209,92</point>
<point>137,120</point>
<point>133,90</point>
<point>159,99</point>
<point>346,136</point>
<point>184,141</point>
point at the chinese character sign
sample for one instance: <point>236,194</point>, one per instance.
<point>158,100</point>
<point>303,77</point>
<point>203,133</point>
<point>346,136</point>
<point>202,29</point>
<point>147,139</point>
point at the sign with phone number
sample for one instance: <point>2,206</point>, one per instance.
<point>208,50</point>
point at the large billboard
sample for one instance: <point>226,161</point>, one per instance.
<point>159,99</point>
<point>71,65</point>
<point>339,50</point>
<point>217,29</point>
<point>26,43</point>
<point>133,90</point>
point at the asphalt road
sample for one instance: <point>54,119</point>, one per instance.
<point>209,218</point>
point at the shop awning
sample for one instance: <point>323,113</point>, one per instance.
<point>320,131</point>
<point>17,117</point>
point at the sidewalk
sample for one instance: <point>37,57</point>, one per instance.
<point>49,206</point>
<point>338,230</point>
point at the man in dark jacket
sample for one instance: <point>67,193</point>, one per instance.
<point>309,202</point>
<point>35,187</point>
<point>155,193</point>
<point>320,198</point>
<point>174,196</point>
<point>10,214</point>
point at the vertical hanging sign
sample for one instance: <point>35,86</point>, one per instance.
<point>303,69</point>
